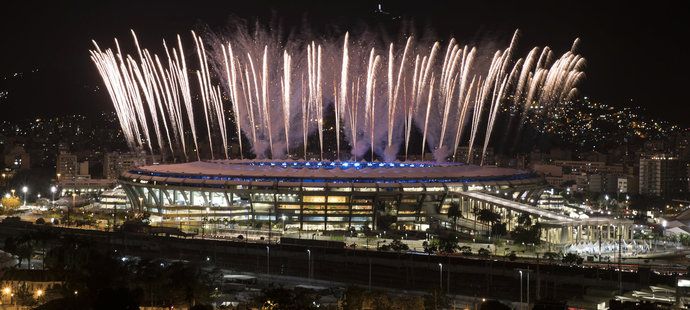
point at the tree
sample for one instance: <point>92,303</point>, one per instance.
<point>385,221</point>
<point>488,216</point>
<point>118,298</point>
<point>551,256</point>
<point>493,305</point>
<point>25,249</point>
<point>353,298</point>
<point>24,296</point>
<point>398,246</point>
<point>430,247</point>
<point>484,252</point>
<point>278,297</point>
<point>436,300</point>
<point>524,219</point>
<point>527,235</point>
<point>499,229</point>
<point>22,246</point>
<point>10,202</point>
<point>447,243</point>
<point>572,258</point>
<point>188,283</point>
<point>454,213</point>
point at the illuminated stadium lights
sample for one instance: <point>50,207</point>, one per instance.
<point>345,164</point>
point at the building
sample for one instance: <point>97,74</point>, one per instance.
<point>628,184</point>
<point>67,166</point>
<point>548,170</point>
<point>84,186</point>
<point>36,282</point>
<point>476,158</point>
<point>114,163</point>
<point>311,195</point>
<point>661,175</point>
<point>16,158</point>
<point>114,199</point>
<point>602,183</point>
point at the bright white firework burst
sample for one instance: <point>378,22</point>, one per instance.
<point>278,92</point>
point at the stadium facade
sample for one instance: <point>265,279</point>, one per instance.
<point>311,195</point>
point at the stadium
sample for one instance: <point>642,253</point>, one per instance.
<point>312,195</point>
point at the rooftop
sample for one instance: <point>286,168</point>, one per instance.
<point>322,171</point>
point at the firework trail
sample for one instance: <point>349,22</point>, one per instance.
<point>278,91</point>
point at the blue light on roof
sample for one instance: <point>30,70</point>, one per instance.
<point>339,164</point>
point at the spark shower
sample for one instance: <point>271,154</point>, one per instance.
<point>275,93</point>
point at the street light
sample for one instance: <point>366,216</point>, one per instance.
<point>7,291</point>
<point>268,261</point>
<point>308,264</point>
<point>25,190</point>
<point>440,275</point>
<point>53,190</point>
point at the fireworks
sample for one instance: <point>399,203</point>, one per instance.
<point>279,92</point>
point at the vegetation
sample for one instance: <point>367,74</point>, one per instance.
<point>493,305</point>
<point>493,220</point>
<point>499,229</point>
<point>355,298</point>
<point>572,259</point>
<point>454,213</point>
<point>95,278</point>
<point>551,256</point>
<point>10,202</point>
<point>447,243</point>
<point>385,221</point>
<point>526,232</point>
<point>484,252</point>
<point>395,246</point>
<point>487,216</point>
<point>436,300</point>
<point>430,247</point>
<point>278,297</point>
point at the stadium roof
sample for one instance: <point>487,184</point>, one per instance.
<point>430,171</point>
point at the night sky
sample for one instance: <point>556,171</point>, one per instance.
<point>637,54</point>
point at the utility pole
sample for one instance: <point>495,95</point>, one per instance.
<point>620,249</point>
<point>528,272</point>
<point>620,265</point>
<point>448,281</point>
<point>370,274</point>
